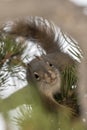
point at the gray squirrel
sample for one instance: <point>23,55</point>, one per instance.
<point>43,72</point>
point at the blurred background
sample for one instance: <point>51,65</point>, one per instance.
<point>65,13</point>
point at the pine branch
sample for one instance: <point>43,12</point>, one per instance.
<point>26,95</point>
<point>16,99</point>
<point>10,59</point>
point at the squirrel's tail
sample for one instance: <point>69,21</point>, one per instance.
<point>39,30</point>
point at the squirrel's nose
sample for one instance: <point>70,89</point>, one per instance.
<point>50,76</point>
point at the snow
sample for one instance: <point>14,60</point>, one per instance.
<point>80,2</point>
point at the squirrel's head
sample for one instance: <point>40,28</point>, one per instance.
<point>42,73</point>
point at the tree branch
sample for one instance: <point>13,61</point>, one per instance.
<point>16,99</point>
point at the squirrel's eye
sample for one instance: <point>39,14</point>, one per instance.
<point>36,75</point>
<point>50,64</point>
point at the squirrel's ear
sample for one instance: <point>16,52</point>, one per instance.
<point>39,57</point>
<point>28,65</point>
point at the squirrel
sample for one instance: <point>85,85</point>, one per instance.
<point>43,72</point>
